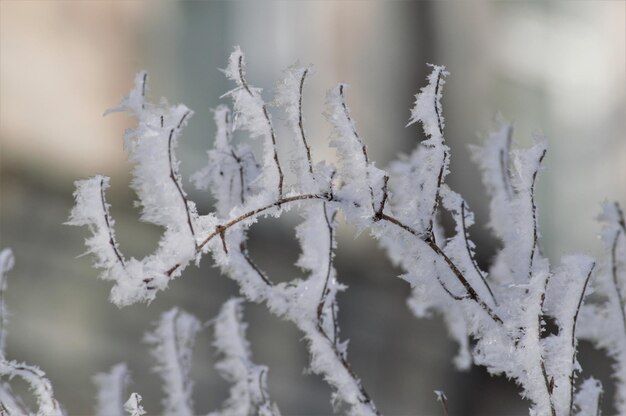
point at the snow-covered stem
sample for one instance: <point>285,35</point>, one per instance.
<point>7,261</point>
<point>248,394</point>
<point>112,391</point>
<point>38,383</point>
<point>32,375</point>
<point>172,342</point>
<point>254,116</point>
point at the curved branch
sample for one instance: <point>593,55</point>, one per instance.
<point>175,180</point>
<point>580,302</point>
<point>281,177</point>
<point>107,221</point>
<point>301,123</point>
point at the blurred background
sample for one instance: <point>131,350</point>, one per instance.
<point>556,67</point>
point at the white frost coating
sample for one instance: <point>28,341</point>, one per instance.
<point>300,300</point>
<point>504,312</point>
<point>38,383</point>
<point>589,397</point>
<point>610,286</point>
<point>91,209</point>
<point>133,405</point>
<point>10,404</point>
<point>33,376</point>
<point>112,390</point>
<point>252,115</point>
<point>288,96</point>
<point>425,170</point>
<point>7,261</point>
<point>361,182</point>
<point>493,157</point>
<point>172,341</point>
<point>248,394</point>
<point>151,146</point>
<point>565,293</point>
<point>514,216</point>
<point>530,352</point>
<point>231,172</point>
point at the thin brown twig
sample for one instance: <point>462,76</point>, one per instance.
<point>504,163</point>
<point>266,115</point>
<point>618,289</point>
<point>107,221</point>
<point>383,201</point>
<point>472,294</point>
<point>363,147</point>
<point>175,180</point>
<point>301,123</point>
<point>549,383</point>
<point>469,253</point>
<point>572,375</point>
<point>534,212</point>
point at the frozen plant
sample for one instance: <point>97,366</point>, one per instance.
<point>504,309</point>
<point>11,404</point>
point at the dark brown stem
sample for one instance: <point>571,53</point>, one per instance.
<point>437,87</point>
<point>549,382</point>
<point>504,163</point>
<point>618,289</point>
<point>572,375</point>
<point>469,253</point>
<point>107,221</point>
<point>431,220</point>
<point>322,302</point>
<point>385,193</point>
<point>534,210</point>
<point>143,89</point>
<point>174,178</point>
<point>363,147</point>
<point>244,252</point>
<point>269,125</point>
<point>301,123</point>
<point>471,293</point>
<point>327,197</point>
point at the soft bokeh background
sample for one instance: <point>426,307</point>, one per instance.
<point>558,67</point>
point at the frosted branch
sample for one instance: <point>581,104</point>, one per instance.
<point>112,390</point>
<point>253,116</point>
<point>173,340</point>
<point>38,383</point>
<point>248,395</point>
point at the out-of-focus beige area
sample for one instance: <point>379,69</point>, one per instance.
<point>556,67</point>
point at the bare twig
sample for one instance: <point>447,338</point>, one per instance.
<point>469,253</point>
<point>301,123</point>
<point>504,164</point>
<point>175,180</point>
<point>107,221</point>
<point>281,177</point>
<point>572,375</point>
<point>363,147</point>
<point>534,211</point>
<point>549,382</point>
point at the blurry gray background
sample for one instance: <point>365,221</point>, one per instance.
<point>558,67</point>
